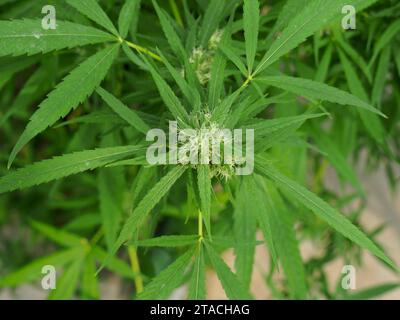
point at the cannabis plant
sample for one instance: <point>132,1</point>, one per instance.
<point>109,77</point>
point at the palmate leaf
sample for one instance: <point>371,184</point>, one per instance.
<point>129,115</point>
<point>18,37</point>
<point>197,285</point>
<point>234,289</point>
<point>314,16</point>
<point>167,280</point>
<point>322,209</point>
<point>62,166</point>
<point>75,88</point>
<point>317,90</point>
<point>251,17</point>
<point>149,201</point>
<point>93,11</point>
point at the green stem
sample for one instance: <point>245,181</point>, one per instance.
<point>142,49</point>
<point>200,226</point>
<point>135,268</point>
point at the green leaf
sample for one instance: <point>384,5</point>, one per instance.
<point>169,31</point>
<point>265,128</point>
<point>170,99</point>
<point>167,241</point>
<point>385,38</point>
<point>337,159</point>
<point>251,16</point>
<point>110,188</point>
<point>127,15</point>
<point>205,187</point>
<point>371,293</point>
<point>191,94</point>
<point>234,289</point>
<point>322,209</point>
<point>129,115</point>
<point>33,270</point>
<point>62,166</point>
<point>255,202</point>
<point>314,15</point>
<point>161,287</point>
<point>381,76</point>
<point>212,17</point>
<point>92,10</point>
<point>58,236</point>
<point>18,37</point>
<point>90,285</point>
<point>285,242</point>
<point>68,282</point>
<point>244,230</point>
<point>147,204</point>
<point>316,90</point>
<point>75,88</point>
<point>371,121</point>
<point>232,56</point>
<point>197,284</point>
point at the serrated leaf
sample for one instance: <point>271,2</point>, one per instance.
<point>75,88</point>
<point>147,204</point>
<point>312,17</point>
<point>322,209</point>
<point>286,244</point>
<point>167,241</point>
<point>244,230</point>
<point>316,90</point>
<point>170,33</point>
<point>129,115</point>
<point>212,17</point>
<point>233,288</point>
<point>170,99</point>
<point>129,12</point>
<point>161,287</point>
<point>197,284</point>
<point>92,10</point>
<point>251,17</point>
<point>18,37</point>
<point>62,166</point>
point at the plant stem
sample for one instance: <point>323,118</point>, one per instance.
<point>142,49</point>
<point>135,268</point>
<point>200,226</point>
